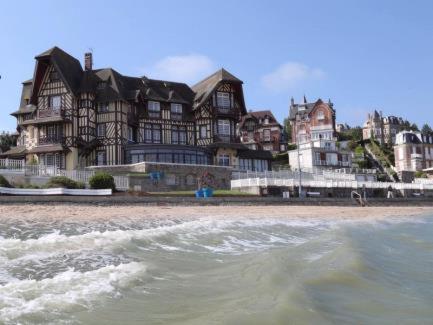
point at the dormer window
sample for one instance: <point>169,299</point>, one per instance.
<point>102,107</point>
<point>176,111</point>
<point>223,99</point>
<point>55,102</point>
<point>154,109</point>
<point>54,76</point>
<point>101,85</point>
<point>266,121</point>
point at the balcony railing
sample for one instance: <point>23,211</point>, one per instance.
<point>224,110</point>
<point>225,138</point>
<point>50,112</point>
<point>50,139</point>
<point>331,163</point>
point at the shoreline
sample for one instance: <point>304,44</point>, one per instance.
<point>77,212</point>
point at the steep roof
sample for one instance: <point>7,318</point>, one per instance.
<point>259,115</point>
<point>68,67</point>
<point>306,108</point>
<point>206,87</point>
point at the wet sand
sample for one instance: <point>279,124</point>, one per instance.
<point>92,212</point>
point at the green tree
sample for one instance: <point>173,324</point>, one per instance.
<point>287,128</point>
<point>7,140</point>
<point>426,129</point>
<point>414,127</point>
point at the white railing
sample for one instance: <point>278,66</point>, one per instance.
<point>53,191</point>
<point>264,182</point>
<point>11,164</point>
<point>122,182</point>
<point>423,181</point>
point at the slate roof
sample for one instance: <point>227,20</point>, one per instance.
<point>206,87</point>
<point>68,66</point>
<point>48,148</point>
<point>257,115</point>
<point>15,151</point>
<point>305,108</point>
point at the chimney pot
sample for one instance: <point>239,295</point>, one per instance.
<point>88,61</point>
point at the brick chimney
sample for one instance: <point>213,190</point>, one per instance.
<point>88,61</point>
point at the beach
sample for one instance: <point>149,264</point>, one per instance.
<point>97,212</point>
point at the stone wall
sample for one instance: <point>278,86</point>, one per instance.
<point>174,177</point>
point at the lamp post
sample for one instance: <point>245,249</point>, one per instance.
<point>299,163</point>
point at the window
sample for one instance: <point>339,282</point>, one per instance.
<point>55,102</point>
<point>102,107</point>
<point>101,85</point>
<point>266,120</point>
<point>224,160</point>
<point>101,130</point>
<point>154,109</point>
<point>54,76</point>
<point>224,127</point>
<point>176,111</point>
<point>267,135</point>
<point>152,133</point>
<point>320,115</point>
<point>130,134</point>
<point>203,132</point>
<point>223,100</point>
<point>178,135</point>
<point>101,158</point>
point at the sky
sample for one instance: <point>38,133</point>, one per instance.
<point>363,55</point>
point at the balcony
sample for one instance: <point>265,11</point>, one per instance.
<point>416,156</point>
<point>224,110</point>
<point>225,138</point>
<point>50,139</point>
<point>331,163</point>
<point>50,112</point>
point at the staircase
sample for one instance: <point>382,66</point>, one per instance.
<point>376,162</point>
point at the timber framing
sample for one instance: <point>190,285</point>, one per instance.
<point>99,116</point>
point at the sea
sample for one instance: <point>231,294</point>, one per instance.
<point>217,271</point>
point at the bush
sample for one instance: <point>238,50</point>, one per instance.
<point>102,180</point>
<point>62,181</point>
<point>420,174</point>
<point>4,182</point>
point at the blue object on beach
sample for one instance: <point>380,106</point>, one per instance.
<point>199,193</point>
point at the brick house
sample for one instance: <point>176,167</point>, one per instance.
<point>312,121</point>
<point>260,130</point>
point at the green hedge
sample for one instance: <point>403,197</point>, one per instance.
<point>64,182</point>
<point>101,181</point>
<point>4,182</point>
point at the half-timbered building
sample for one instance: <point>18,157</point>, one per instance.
<point>72,117</point>
<point>261,130</point>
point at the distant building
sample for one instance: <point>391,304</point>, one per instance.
<point>261,131</point>
<point>382,129</point>
<point>312,121</point>
<point>320,154</point>
<point>413,151</point>
<point>313,129</point>
<point>341,127</point>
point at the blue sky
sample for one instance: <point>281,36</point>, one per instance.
<point>364,55</point>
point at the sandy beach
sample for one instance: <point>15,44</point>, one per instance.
<point>91,212</point>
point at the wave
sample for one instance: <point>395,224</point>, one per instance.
<point>66,292</point>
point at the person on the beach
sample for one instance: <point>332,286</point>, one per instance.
<point>390,192</point>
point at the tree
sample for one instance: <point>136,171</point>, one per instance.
<point>7,140</point>
<point>414,127</point>
<point>426,129</point>
<point>287,128</point>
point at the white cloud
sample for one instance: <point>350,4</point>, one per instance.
<point>291,75</point>
<point>188,68</point>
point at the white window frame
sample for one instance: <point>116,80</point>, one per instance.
<point>101,130</point>
<point>130,134</point>
<point>320,115</point>
<point>203,131</point>
<point>176,108</point>
<point>224,127</point>
<point>223,99</point>
<point>267,135</point>
<point>55,102</point>
<point>223,160</point>
<point>154,108</point>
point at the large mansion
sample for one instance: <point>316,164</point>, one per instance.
<point>382,128</point>
<point>72,117</point>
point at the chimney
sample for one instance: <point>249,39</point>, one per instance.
<point>88,61</point>
<point>292,101</point>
